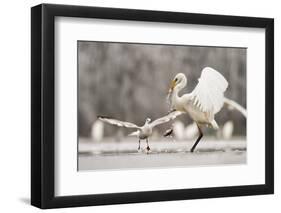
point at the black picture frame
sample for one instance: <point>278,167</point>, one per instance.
<point>43,105</point>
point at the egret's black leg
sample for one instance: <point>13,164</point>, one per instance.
<point>198,139</point>
<point>148,148</point>
<point>139,145</point>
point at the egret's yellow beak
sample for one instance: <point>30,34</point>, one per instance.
<point>172,85</point>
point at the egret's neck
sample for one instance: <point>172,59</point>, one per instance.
<point>179,87</point>
<point>175,96</point>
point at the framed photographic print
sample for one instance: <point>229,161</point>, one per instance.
<point>139,106</point>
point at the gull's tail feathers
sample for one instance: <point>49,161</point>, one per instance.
<point>234,105</point>
<point>135,133</point>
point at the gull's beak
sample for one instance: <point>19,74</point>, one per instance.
<point>172,85</point>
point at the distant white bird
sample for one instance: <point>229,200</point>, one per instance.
<point>178,129</point>
<point>227,130</point>
<point>203,102</point>
<point>191,131</point>
<point>97,130</point>
<point>145,131</point>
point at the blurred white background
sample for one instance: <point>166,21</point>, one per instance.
<point>15,107</point>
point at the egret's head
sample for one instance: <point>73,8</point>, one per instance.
<point>147,120</point>
<point>179,80</point>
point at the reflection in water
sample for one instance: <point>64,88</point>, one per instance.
<point>163,154</point>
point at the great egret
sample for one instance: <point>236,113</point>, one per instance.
<point>145,131</point>
<point>203,102</point>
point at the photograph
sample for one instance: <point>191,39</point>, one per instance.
<point>139,105</point>
<point>147,106</point>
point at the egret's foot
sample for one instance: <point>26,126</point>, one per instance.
<point>168,133</point>
<point>148,148</point>
<point>172,110</point>
<point>193,150</point>
<point>139,148</point>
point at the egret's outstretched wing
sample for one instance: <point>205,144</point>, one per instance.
<point>118,123</point>
<point>208,94</point>
<point>234,105</point>
<point>165,119</point>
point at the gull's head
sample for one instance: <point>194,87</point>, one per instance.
<point>179,80</point>
<point>147,120</point>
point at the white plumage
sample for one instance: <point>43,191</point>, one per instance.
<point>208,94</point>
<point>233,105</point>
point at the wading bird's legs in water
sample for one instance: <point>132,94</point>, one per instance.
<point>147,145</point>
<point>198,139</point>
<point>139,145</point>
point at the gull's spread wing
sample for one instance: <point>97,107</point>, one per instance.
<point>118,123</point>
<point>171,116</point>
